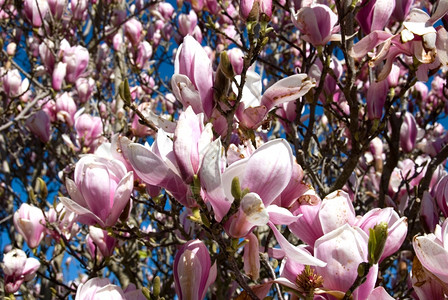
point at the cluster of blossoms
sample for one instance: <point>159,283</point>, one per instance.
<point>297,147</point>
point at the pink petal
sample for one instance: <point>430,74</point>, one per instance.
<point>368,43</point>
<point>211,182</point>
<point>88,216</point>
<point>269,170</point>
<point>121,198</point>
<point>287,89</point>
<point>280,215</point>
<point>431,252</point>
<point>297,254</point>
<point>336,210</point>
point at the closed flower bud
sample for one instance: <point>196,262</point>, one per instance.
<point>377,241</point>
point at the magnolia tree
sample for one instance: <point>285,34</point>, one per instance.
<point>251,149</point>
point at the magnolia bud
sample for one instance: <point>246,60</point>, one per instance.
<point>377,241</point>
<point>236,188</point>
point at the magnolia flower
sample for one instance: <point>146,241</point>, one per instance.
<point>156,165</point>
<point>254,107</point>
<point>29,221</point>
<point>64,220</point>
<point>133,31</point>
<point>344,249</point>
<point>79,8</point>
<point>397,227</point>
<point>441,195</point>
<point>193,271</point>
<point>88,130</point>
<point>57,7</point>
<point>408,132</point>
<point>77,60</point>
<point>99,243</point>
<point>39,125</point>
<point>418,39</point>
<point>321,217</point>
<point>84,87</point>
<point>187,23</point>
<point>191,140</point>
<point>35,11</point>
<point>252,9</point>
<point>17,268</point>
<point>66,108</point>
<point>101,288</point>
<point>100,191</point>
<point>12,83</point>
<point>375,15</point>
<point>316,24</point>
<point>376,98</point>
<point>432,250</point>
<point>192,81</point>
<point>265,174</point>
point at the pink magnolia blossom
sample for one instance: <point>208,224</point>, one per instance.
<point>166,10</point>
<point>252,257</point>
<point>402,8</point>
<point>408,133</point>
<point>344,249</point>
<point>13,85</point>
<point>88,130</point>
<point>66,108</point>
<point>187,23</point>
<point>265,173</point>
<point>330,84</point>
<point>64,220</point>
<point>397,227</point>
<point>257,7</point>
<point>84,87</point>
<point>100,191</point>
<point>210,175</point>
<point>137,128</point>
<point>296,190</point>
<point>133,31</point>
<point>58,75</point>
<point>144,53</point>
<point>317,24</point>
<point>375,15</point>
<point>29,221</point>
<point>441,195</point>
<point>319,218</point>
<point>35,11</point>
<point>418,39</point>
<point>11,49</point>
<point>156,165</point>
<point>46,55</point>
<point>429,214</point>
<point>376,148</point>
<point>191,140</point>
<point>425,284</point>
<point>17,268</point>
<point>57,8</point>
<point>254,107</point>
<point>236,57</point>
<point>376,98</point>
<point>101,288</point>
<point>192,82</point>
<point>77,60</point>
<point>39,125</point>
<point>193,271</point>
<point>79,9</point>
<point>99,243</point>
<point>432,249</point>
